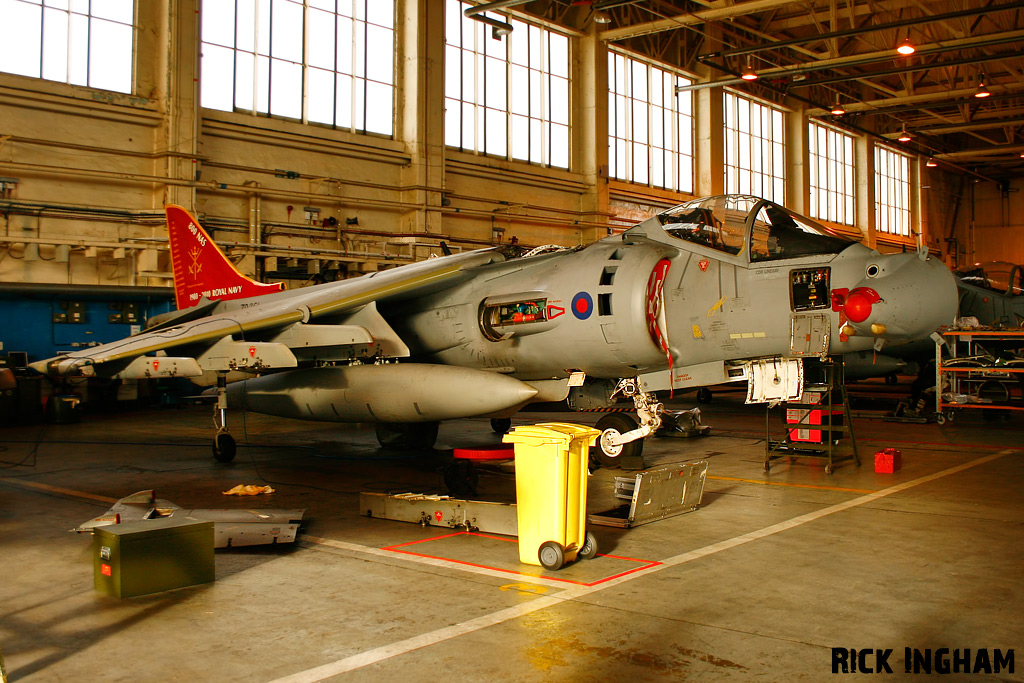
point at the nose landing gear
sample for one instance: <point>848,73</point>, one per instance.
<point>621,442</point>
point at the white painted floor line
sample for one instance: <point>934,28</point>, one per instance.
<point>436,562</point>
<point>385,652</point>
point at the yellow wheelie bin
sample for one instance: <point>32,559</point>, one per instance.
<point>551,492</point>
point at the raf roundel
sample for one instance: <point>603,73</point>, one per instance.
<point>582,305</point>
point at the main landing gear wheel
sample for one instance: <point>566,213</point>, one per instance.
<point>551,555</point>
<point>407,436</point>
<point>589,549</point>
<point>224,447</point>
<point>704,395</point>
<point>612,425</point>
<point>461,479</point>
<point>501,425</point>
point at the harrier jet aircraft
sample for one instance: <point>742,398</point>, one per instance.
<point>717,289</point>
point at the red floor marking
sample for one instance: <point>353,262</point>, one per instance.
<point>935,443</point>
<point>647,564</point>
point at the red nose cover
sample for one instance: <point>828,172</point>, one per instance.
<point>858,304</point>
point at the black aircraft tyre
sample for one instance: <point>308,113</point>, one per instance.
<point>501,425</point>
<point>224,447</point>
<point>461,478</point>
<point>614,424</point>
<point>407,436</point>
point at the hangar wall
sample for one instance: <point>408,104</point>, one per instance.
<point>994,231</point>
<point>87,172</point>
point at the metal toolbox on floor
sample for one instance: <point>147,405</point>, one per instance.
<point>139,558</point>
<point>656,494</point>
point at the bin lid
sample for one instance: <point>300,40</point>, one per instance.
<point>551,433</point>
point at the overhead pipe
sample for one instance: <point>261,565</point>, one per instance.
<point>907,69</point>
<point>860,129</point>
<point>846,62</point>
<point>986,9</point>
<point>698,17</point>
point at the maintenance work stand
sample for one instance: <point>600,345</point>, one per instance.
<point>814,427</point>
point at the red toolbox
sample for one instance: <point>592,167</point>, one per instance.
<point>888,461</point>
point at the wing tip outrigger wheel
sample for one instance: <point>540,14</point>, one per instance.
<point>224,446</point>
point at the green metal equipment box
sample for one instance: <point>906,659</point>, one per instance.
<point>139,558</point>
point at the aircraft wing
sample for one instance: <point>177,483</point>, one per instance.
<point>267,331</point>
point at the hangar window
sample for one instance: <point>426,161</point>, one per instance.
<point>755,140</point>
<point>320,61</point>
<point>650,126</point>
<point>71,41</point>
<point>831,174</point>
<point>506,96</point>
<point>892,192</point>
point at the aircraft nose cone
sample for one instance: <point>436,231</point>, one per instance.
<point>908,299</point>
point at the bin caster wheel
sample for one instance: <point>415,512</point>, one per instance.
<point>551,555</point>
<point>589,549</point>
<point>224,447</point>
<point>828,469</point>
<point>940,419</point>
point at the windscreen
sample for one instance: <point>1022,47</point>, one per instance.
<point>716,222</point>
<point>778,233</point>
<point>999,276</point>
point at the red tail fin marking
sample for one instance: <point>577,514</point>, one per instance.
<point>200,268</point>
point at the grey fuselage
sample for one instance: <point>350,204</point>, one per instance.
<point>716,307</point>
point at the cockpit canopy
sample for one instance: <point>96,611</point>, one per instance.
<point>998,276</point>
<point>737,223</point>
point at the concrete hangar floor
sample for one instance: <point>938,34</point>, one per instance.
<point>761,583</point>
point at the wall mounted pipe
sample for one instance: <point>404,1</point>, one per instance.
<point>501,28</point>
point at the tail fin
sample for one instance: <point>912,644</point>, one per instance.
<point>200,268</point>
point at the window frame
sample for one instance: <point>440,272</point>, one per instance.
<point>257,59</point>
<point>624,101</point>
<point>892,192</point>
<point>741,176</point>
<point>836,185</point>
<point>485,111</point>
<point>70,51</point>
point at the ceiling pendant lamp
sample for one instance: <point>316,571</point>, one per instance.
<point>904,135</point>
<point>748,73</point>
<point>931,163</point>
<point>906,47</point>
<point>837,108</point>
<point>982,91</point>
